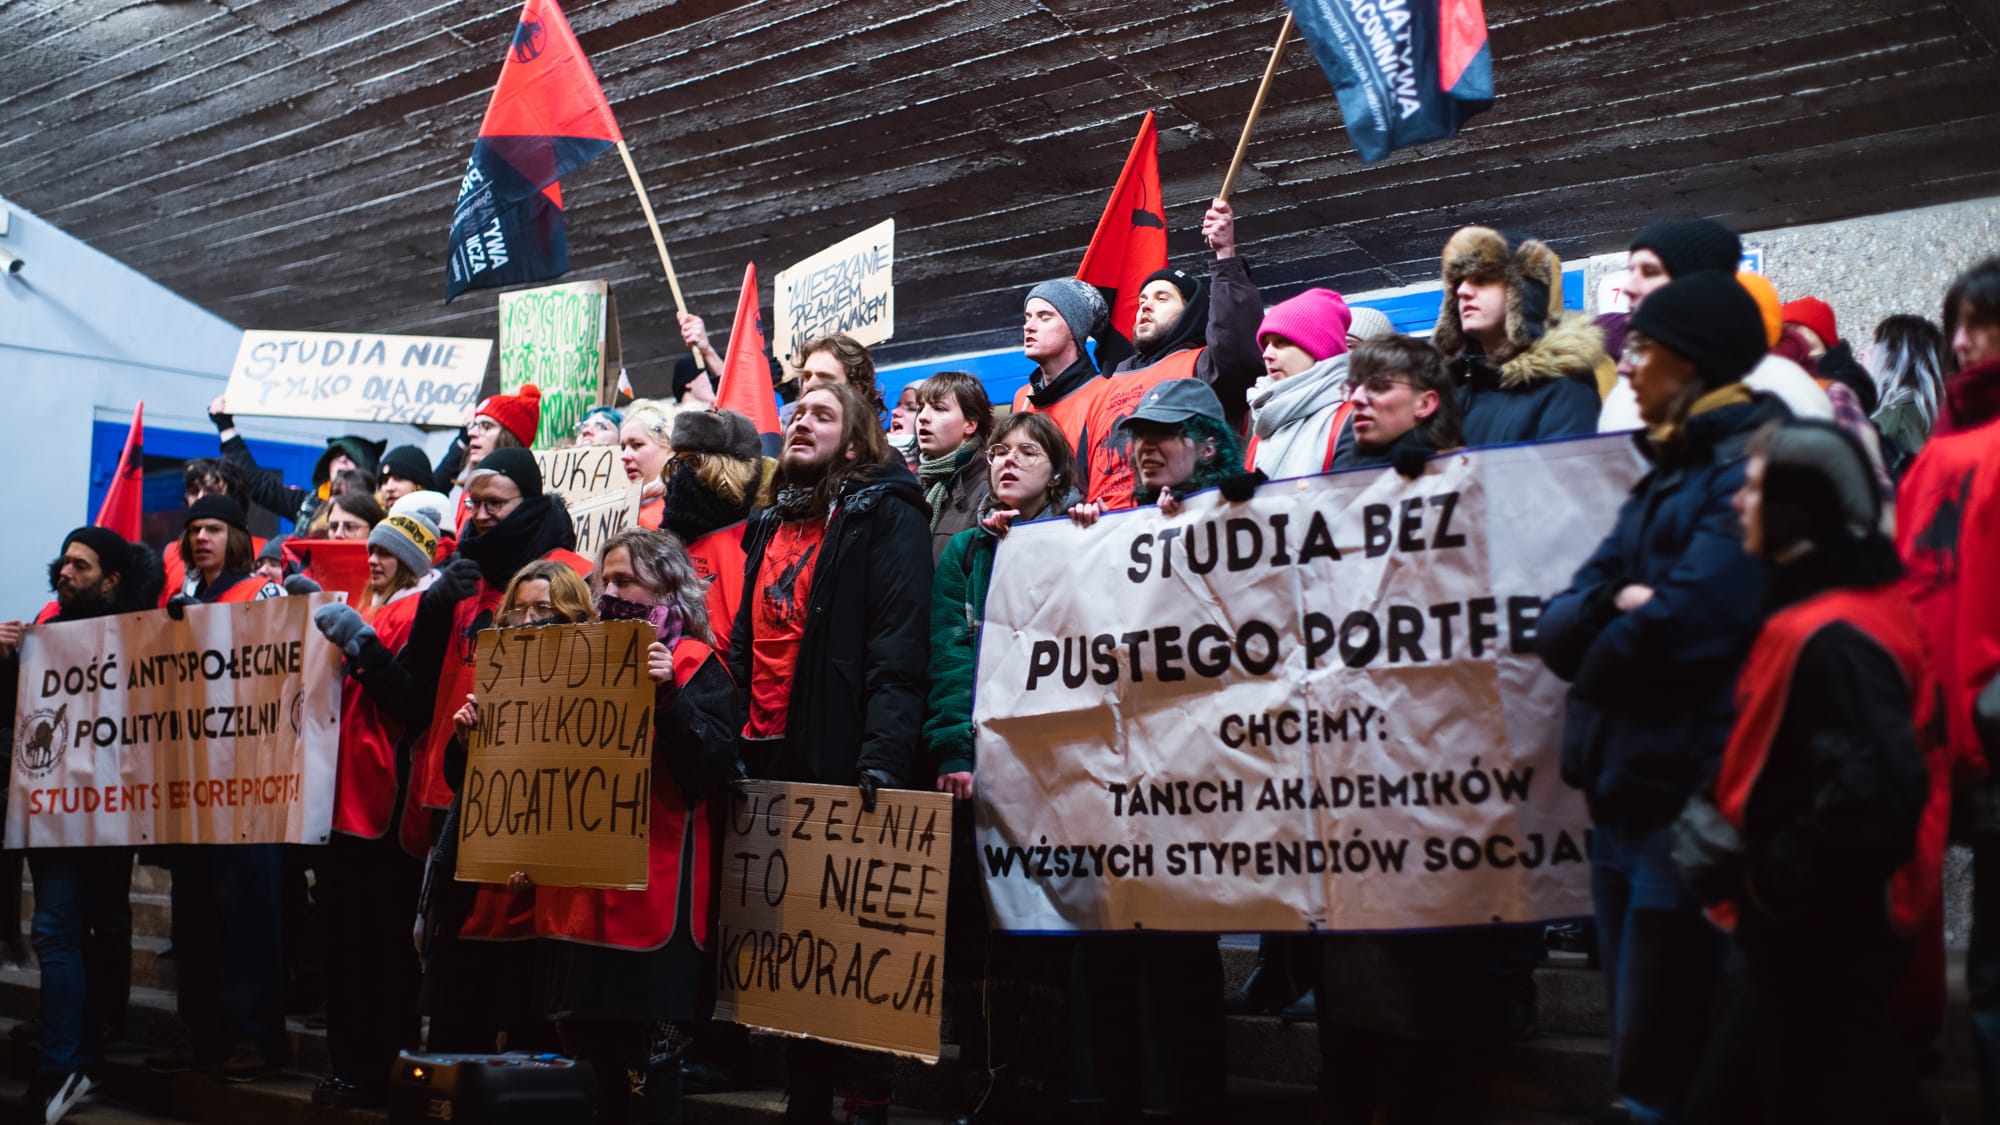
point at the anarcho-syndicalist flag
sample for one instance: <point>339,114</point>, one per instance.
<point>1130,242</point>
<point>1406,71</point>
<point>548,117</point>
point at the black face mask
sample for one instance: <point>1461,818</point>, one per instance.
<point>691,511</point>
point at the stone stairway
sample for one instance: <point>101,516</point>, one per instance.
<point>1561,1075</point>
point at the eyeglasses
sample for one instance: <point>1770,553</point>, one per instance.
<point>483,425</point>
<point>1026,453</point>
<point>1382,384</point>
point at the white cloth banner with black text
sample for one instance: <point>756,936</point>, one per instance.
<point>220,728</point>
<point>1318,709</point>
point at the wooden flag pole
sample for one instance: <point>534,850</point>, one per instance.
<point>659,242</point>
<point>1256,107</point>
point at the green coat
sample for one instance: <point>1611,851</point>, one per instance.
<point>958,605</point>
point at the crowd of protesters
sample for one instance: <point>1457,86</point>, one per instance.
<point>1781,663</point>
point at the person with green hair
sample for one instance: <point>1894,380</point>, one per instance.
<point>1178,443</point>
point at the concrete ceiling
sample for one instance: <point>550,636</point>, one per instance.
<point>293,163</point>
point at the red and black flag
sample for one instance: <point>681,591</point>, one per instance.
<point>124,506</point>
<point>746,375</point>
<point>548,117</point>
<point>1405,71</point>
<point>1130,243</point>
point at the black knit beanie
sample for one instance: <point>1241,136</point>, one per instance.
<point>216,506</point>
<point>1189,284</point>
<point>1688,246</point>
<point>409,463</point>
<point>1709,320</point>
<point>518,465</point>
<point>114,554</point>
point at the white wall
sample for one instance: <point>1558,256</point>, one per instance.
<point>82,339</point>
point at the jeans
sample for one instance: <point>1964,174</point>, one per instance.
<point>228,949</point>
<point>1982,973</point>
<point>1661,962</point>
<point>82,934</point>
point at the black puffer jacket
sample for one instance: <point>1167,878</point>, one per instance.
<point>857,698</point>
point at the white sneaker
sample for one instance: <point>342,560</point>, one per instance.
<point>74,1090</point>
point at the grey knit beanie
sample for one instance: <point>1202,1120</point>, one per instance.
<point>1079,304</point>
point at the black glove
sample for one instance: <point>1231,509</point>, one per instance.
<point>222,421</point>
<point>1238,487</point>
<point>343,626</point>
<point>457,580</point>
<point>1986,717</point>
<point>177,605</point>
<point>1708,851</point>
<point>1409,460</point>
<point>298,586</point>
<point>869,781</point>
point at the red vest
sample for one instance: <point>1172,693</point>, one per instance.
<point>1089,418</point>
<point>1764,688</point>
<point>177,570</point>
<point>365,787</point>
<point>718,557</point>
<point>246,590</point>
<point>1948,534</point>
<point>680,846</point>
<point>48,613</point>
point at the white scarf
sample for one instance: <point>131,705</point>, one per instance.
<point>1293,418</point>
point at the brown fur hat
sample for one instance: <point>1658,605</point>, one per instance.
<point>1533,274</point>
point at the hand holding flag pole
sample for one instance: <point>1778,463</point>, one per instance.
<point>1256,108</point>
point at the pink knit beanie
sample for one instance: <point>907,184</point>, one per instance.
<point>1316,320</point>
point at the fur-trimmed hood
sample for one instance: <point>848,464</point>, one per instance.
<point>1532,272</point>
<point>1570,347</point>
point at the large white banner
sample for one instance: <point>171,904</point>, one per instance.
<point>221,728</point>
<point>364,377</point>
<point>1320,708</point>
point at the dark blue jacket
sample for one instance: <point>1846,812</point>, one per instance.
<point>1650,707</point>
<point>1547,391</point>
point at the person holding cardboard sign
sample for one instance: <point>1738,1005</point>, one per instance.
<point>614,963</point>
<point>829,653</point>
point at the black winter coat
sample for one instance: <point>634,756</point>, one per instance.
<point>858,688</point>
<point>1650,702</point>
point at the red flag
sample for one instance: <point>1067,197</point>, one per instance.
<point>548,117</point>
<point>123,504</point>
<point>338,565</point>
<point>1131,238</point>
<point>746,377</point>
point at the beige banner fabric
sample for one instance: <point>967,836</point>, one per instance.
<point>1317,709</point>
<point>558,775</point>
<point>832,922</point>
<point>219,728</point>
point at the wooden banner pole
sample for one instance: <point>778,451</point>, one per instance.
<point>1256,107</point>
<point>659,242</point>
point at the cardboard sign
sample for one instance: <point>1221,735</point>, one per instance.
<point>564,340</point>
<point>832,922</point>
<point>558,781</point>
<point>591,480</point>
<point>219,728</point>
<point>338,565</point>
<point>1318,709</point>
<point>845,288</point>
<point>419,380</point>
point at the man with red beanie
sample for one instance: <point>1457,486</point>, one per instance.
<point>1297,407</point>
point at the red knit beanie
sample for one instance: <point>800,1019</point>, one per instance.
<point>1813,313</point>
<point>519,413</point>
<point>1316,320</point>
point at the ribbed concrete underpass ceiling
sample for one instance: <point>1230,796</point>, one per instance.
<point>293,163</point>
